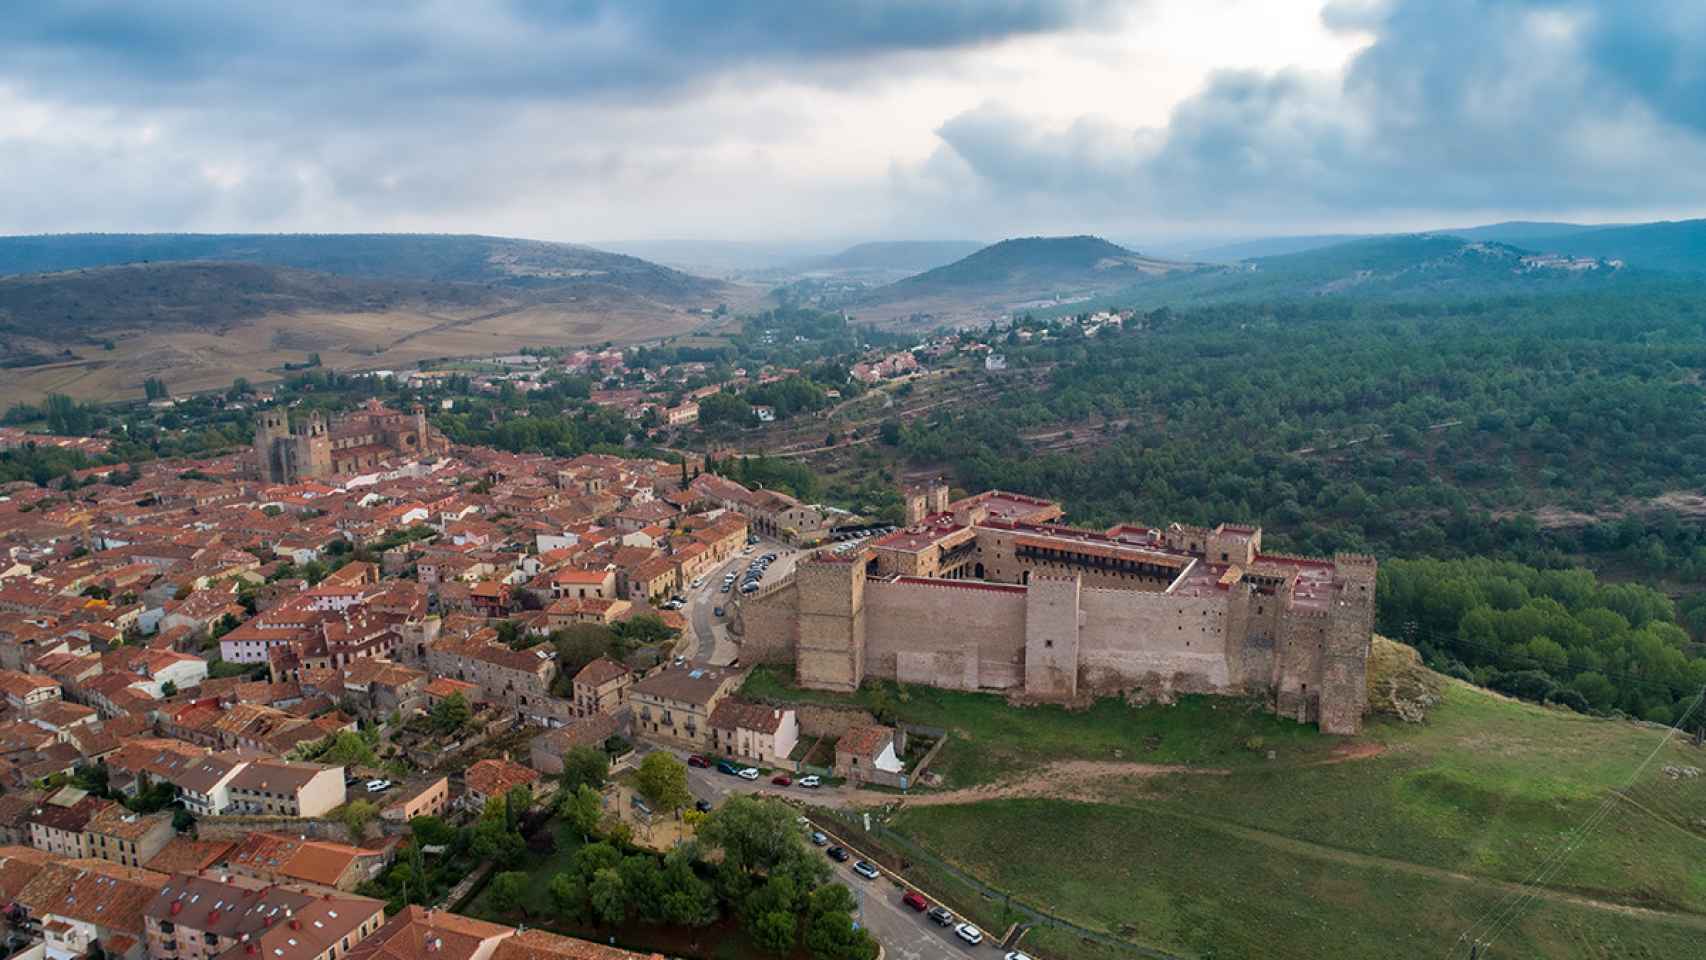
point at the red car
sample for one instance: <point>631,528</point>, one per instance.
<point>782,780</point>
<point>916,901</point>
<point>696,760</point>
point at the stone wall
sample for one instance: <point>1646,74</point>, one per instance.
<point>974,632</point>
<point>768,624</point>
<point>1153,640</point>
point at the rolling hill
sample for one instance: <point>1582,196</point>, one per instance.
<point>1014,274</point>
<point>897,256</point>
<point>1397,266</point>
<point>197,310</point>
<point>1678,246</point>
<point>432,257</point>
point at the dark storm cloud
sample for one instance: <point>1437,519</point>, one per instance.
<point>1457,105</point>
<point>264,54</point>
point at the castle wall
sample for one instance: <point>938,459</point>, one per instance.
<point>1132,638</point>
<point>1297,664</point>
<point>952,633</point>
<point>769,625</point>
<point>1052,622</point>
<point>995,553</point>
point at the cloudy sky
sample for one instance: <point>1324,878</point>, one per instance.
<point>787,120</point>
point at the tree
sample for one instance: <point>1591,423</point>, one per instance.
<point>584,766</point>
<point>168,689</point>
<point>451,714</point>
<point>609,896</point>
<point>517,801</point>
<point>569,895</point>
<point>688,900</point>
<point>509,892</point>
<point>774,931</point>
<point>830,936</point>
<point>355,816</point>
<point>662,781</point>
<point>493,840</point>
<point>431,831</point>
<point>758,837</point>
<point>832,898</point>
<point>582,809</point>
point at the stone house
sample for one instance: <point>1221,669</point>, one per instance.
<point>675,704</point>
<point>754,732</point>
<point>871,754</point>
<point>495,778</point>
<point>282,788</point>
<point>126,838</point>
<point>546,752</point>
<point>601,687</point>
<point>427,798</point>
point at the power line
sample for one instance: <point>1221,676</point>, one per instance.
<point>1508,910</point>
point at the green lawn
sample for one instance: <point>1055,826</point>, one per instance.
<point>1161,880</point>
<point>540,869</point>
<point>988,739</point>
<point>1281,860</point>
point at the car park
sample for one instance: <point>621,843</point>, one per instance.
<point>697,760</point>
<point>838,854</point>
<point>750,773</point>
<point>867,870</point>
<point>916,901</point>
<point>782,780</point>
<point>941,916</point>
<point>968,933</point>
<point>810,781</point>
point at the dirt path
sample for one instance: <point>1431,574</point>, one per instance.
<point>1078,780</point>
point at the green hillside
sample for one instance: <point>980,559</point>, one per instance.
<point>1674,245</point>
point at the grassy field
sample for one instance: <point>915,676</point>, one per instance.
<point>989,740</point>
<point>1392,855</point>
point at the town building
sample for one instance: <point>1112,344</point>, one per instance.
<point>349,445</point>
<point>676,703</point>
<point>282,788</point>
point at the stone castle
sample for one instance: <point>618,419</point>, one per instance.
<point>992,593</point>
<point>353,443</point>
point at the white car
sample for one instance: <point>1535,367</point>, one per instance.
<point>378,786</point>
<point>750,773</point>
<point>968,933</point>
<point>870,872</point>
<point>698,582</point>
<point>810,781</point>
<point>1016,955</point>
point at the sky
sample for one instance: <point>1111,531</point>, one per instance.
<point>793,122</point>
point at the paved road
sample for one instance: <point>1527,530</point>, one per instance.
<point>707,627</point>
<point>904,933</point>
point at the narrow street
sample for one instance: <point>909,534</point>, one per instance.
<point>712,643</point>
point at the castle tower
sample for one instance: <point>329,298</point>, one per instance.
<point>270,427</point>
<point>1344,656</point>
<point>421,436</point>
<point>915,505</point>
<point>936,496</point>
<point>830,653</point>
<point>315,458</point>
<point>1051,637</point>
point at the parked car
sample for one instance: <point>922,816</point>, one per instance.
<point>782,780</point>
<point>697,760</point>
<point>968,933</point>
<point>728,767</point>
<point>725,587</point>
<point>750,773</point>
<point>867,870</point>
<point>941,916</point>
<point>749,588</point>
<point>1016,955</point>
<point>378,786</point>
<point>838,854</point>
<point>819,838</point>
<point>638,804</point>
<point>703,806</point>
<point>698,582</point>
<point>811,781</point>
<point>916,901</point>
<point>719,611</point>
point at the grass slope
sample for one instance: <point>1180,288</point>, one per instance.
<point>1394,855</point>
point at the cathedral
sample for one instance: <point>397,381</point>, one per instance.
<point>353,443</point>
